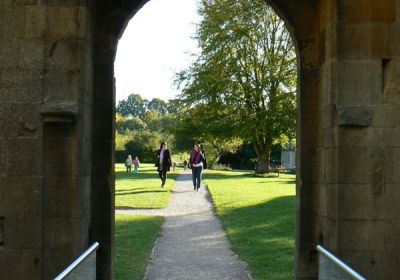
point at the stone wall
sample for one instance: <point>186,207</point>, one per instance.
<point>57,129</point>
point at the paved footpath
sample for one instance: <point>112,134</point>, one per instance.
<point>192,243</point>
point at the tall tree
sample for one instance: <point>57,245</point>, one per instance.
<point>133,106</point>
<point>244,77</point>
<point>158,105</point>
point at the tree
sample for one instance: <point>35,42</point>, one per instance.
<point>124,125</point>
<point>133,106</point>
<point>243,82</point>
<point>158,105</point>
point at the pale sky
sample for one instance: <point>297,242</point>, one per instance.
<point>155,45</point>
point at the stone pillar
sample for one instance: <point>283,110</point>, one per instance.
<point>45,136</point>
<point>21,177</point>
<point>66,116</point>
<point>359,199</point>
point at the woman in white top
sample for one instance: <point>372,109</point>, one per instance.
<point>129,163</point>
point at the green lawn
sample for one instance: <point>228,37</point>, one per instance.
<point>258,215</point>
<point>134,239</point>
<point>142,190</point>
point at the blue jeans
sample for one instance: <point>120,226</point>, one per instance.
<point>136,170</point>
<point>196,175</point>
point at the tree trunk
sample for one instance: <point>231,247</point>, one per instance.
<point>262,149</point>
<point>263,163</point>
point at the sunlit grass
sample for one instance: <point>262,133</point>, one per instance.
<point>258,215</point>
<point>142,190</point>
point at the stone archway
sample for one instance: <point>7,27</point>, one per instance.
<point>56,132</point>
<point>304,29</point>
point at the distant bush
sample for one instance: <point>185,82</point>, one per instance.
<point>220,167</point>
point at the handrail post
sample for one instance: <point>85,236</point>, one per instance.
<point>344,269</point>
<point>68,271</point>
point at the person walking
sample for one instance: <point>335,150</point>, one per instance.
<point>196,163</point>
<point>128,163</point>
<point>136,164</point>
<point>185,163</point>
<point>163,162</point>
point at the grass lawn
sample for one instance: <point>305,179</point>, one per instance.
<point>142,190</point>
<point>134,240</point>
<point>258,215</point>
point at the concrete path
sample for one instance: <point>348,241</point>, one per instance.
<point>192,243</point>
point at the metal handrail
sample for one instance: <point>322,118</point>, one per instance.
<point>78,260</point>
<point>344,267</point>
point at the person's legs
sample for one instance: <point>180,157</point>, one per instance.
<point>136,169</point>
<point>194,177</point>
<point>161,176</point>
<point>200,178</point>
<point>198,174</point>
<point>164,177</point>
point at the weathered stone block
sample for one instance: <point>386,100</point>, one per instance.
<point>355,115</point>
<point>35,22</point>
<point>360,235</point>
<point>3,156</point>
<point>391,205</point>
<point>391,85</point>
<point>63,55</point>
<point>392,166</point>
<point>24,157</point>
<point>355,165</point>
<point>18,85</point>
<point>22,233</point>
<point>387,115</point>
<point>62,23</point>
<point>22,197</point>
<point>358,11</point>
<point>331,171</point>
<point>60,155</point>
<point>12,22</point>
<point>358,137</point>
<point>31,54</point>
<point>9,52</point>
<point>18,263</point>
<point>329,200</point>
<point>391,235</point>
<point>62,86</point>
<point>19,119</point>
<point>66,234</point>
<point>359,82</point>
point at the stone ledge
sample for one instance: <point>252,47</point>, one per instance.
<point>59,112</point>
<point>361,116</point>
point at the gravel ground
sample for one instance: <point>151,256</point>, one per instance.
<point>192,243</point>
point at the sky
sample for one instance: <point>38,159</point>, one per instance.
<point>156,44</point>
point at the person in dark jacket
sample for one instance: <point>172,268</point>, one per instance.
<point>196,163</point>
<point>163,163</point>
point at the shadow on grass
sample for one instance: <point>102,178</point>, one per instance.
<point>133,191</point>
<point>134,240</point>
<point>263,236</point>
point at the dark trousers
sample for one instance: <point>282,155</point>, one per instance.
<point>163,176</point>
<point>196,175</point>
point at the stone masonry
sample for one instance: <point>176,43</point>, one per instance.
<point>56,132</point>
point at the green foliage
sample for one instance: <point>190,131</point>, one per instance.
<point>133,106</point>
<point>258,215</point>
<point>124,124</point>
<point>144,144</point>
<point>243,83</point>
<point>134,239</point>
<point>158,105</point>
